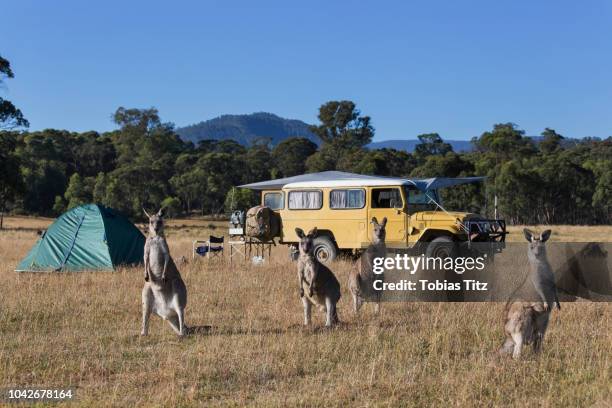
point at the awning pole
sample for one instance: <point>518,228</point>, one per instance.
<point>495,207</point>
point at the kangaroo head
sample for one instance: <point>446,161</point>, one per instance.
<point>156,222</point>
<point>536,243</point>
<point>379,232</point>
<point>306,240</point>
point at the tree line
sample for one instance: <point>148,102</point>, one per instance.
<point>145,163</point>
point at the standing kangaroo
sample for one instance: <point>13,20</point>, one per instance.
<point>318,285</point>
<point>164,291</point>
<point>527,320</point>
<point>361,278</point>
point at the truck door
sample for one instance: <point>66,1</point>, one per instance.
<point>388,202</point>
<point>418,201</point>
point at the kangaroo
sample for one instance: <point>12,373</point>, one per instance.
<point>164,291</point>
<point>527,321</point>
<point>318,285</point>
<point>361,278</point>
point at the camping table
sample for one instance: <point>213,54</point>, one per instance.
<point>260,247</point>
<point>237,248</point>
<point>247,247</point>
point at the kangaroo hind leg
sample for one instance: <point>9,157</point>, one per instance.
<point>508,346</point>
<point>307,311</point>
<point>173,320</point>
<point>147,309</point>
<point>331,312</point>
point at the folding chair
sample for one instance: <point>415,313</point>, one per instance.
<point>214,245</point>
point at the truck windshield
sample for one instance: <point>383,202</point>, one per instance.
<point>421,200</point>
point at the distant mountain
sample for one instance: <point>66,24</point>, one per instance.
<point>459,146</point>
<point>410,144</point>
<point>245,129</point>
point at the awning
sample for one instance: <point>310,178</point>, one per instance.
<point>338,176</point>
<point>442,182</point>
<point>322,176</point>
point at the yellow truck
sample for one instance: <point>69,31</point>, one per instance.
<point>341,206</point>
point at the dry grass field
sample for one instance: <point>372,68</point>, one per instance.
<point>83,330</point>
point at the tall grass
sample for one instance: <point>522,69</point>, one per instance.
<point>83,330</point>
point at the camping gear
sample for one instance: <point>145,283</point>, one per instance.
<point>236,224</point>
<point>258,260</point>
<point>213,246</point>
<point>89,237</point>
<point>262,223</point>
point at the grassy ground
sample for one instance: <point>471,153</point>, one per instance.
<point>83,330</point>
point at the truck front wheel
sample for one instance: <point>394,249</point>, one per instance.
<point>441,247</point>
<point>324,249</point>
<point>444,247</point>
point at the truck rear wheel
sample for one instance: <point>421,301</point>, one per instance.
<point>324,249</point>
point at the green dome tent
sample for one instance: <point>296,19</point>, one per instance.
<point>89,237</point>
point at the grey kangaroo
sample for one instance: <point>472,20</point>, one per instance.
<point>361,278</point>
<point>527,320</point>
<point>318,285</point>
<point>164,291</point>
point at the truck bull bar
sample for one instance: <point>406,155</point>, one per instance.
<point>486,230</point>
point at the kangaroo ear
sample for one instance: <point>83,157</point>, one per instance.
<point>146,213</point>
<point>545,235</point>
<point>528,234</point>
<point>374,220</point>
<point>384,222</point>
<point>161,212</point>
<point>299,232</point>
<point>313,232</point>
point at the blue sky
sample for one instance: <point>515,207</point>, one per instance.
<point>450,67</point>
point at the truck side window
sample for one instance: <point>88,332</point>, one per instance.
<point>346,199</point>
<point>387,198</point>
<point>274,200</point>
<point>305,200</point>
